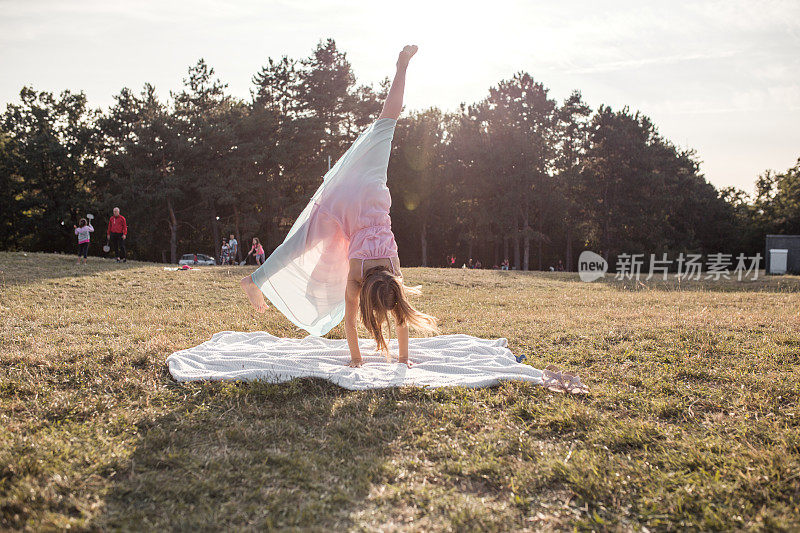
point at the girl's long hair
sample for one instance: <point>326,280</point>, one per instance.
<point>382,293</point>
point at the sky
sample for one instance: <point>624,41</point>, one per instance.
<point>722,78</point>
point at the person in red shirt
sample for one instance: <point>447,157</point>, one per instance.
<point>116,234</point>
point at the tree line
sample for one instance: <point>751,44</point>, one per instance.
<point>518,175</point>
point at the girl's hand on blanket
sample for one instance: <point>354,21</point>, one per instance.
<point>355,363</point>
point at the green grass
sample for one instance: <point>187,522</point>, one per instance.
<point>692,422</point>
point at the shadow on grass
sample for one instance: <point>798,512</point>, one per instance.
<point>763,283</point>
<point>303,454</point>
<point>18,268</point>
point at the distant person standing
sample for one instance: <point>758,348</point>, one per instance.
<point>234,244</point>
<point>82,231</point>
<point>225,253</point>
<point>116,235</point>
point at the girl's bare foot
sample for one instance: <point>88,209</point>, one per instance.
<point>355,363</point>
<point>254,294</point>
<point>406,54</point>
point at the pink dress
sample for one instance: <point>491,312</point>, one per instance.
<point>348,217</point>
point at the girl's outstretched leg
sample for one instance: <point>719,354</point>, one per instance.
<point>394,101</point>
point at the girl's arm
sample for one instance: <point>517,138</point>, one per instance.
<point>402,331</point>
<point>91,229</point>
<point>394,100</point>
<point>402,341</point>
<point>350,320</point>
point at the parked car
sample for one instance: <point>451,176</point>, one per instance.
<point>202,259</point>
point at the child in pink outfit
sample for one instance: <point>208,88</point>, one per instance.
<point>82,231</point>
<point>340,256</point>
<point>257,251</point>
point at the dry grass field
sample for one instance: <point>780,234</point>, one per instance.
<point>692,422</point>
